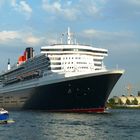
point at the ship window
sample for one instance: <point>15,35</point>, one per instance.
<point>85,50</point>
<point>13,101</point>
<point>56,63</point>
<point>97,64</point>
<point>6,101</point>
<point>23,97</point>
<point>7,97</point>
<point>56,68</point>
<point>22,101</point>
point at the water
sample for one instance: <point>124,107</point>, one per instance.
<point>37,125</point>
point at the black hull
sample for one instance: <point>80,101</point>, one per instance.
<point>85,94</point>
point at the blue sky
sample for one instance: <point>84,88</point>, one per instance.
<point>110,24</point>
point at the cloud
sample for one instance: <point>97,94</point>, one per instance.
<point>92,10</point>
<point>123,9</point>
<point>134,2</point>
<point>12,37</point>
<point>106,35</point>
<point>1,3</point>
<point>22,7</point>
<point>117,41</point>
<point>56,8</point>
<point>26,38</point>
<point>8,35</point>
<point>32,40</point>
<point>74,10</point>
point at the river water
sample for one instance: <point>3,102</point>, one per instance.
<point>116,124</point>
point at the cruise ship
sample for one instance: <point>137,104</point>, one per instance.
<point>64,77</point>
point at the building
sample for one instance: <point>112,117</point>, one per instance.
<point>123,100</point>
<point>138,99</point>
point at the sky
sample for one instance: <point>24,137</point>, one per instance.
<point>110,24</point>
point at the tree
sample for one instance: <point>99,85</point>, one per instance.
<point>111,101</point>
<point>135,102</point>
<point>128,102</point>
<point>120,102</point>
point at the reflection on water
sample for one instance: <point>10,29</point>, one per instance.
<point>117,124</point>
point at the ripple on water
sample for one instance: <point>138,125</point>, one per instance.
<point>117,124</point>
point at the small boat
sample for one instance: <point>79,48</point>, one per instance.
<point>4,116</point>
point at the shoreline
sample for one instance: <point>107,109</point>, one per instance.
<point>123,106</point>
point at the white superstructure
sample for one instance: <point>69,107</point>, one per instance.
<point>70,57</point>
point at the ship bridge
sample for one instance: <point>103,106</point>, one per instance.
<point>73,57</point>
